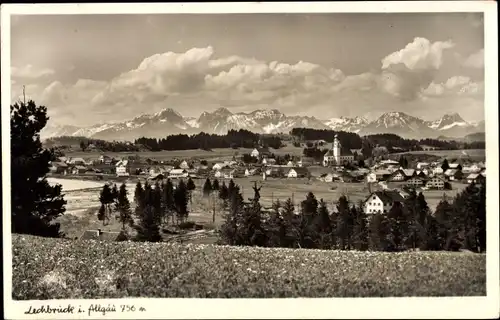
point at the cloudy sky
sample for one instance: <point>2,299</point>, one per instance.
<point>94,68</point>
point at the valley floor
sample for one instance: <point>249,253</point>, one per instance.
<point>67,269</point>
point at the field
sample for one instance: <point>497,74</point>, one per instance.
<point>83,199</point>
<point>55,269</point>
<point>474,154</point>
<point>214,155</point>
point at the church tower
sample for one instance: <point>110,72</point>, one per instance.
<point>336,150</point>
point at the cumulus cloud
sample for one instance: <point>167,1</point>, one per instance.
<point>30,72</point>
<point>456,86</point>
<point>196,80</point>
<point>475,60</point>
<point>419,54</point>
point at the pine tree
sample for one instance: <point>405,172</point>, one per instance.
<point>224,193</point>
<point>138,199</point>
<point>399,227</point>
<point>324,226</point>
<point>158,204</point>
<point>343,223</point>
<point>106,197</point>
<point>190,188</point>
<point>445,166</point>
<point>215,185</point>
<point>228,232</point>
<point>181,198</point>
<point>123,207</point>
<point>360,228</point>
<point>251,231</point>
<point>447,232</point>
<point>292,232</point>
<point>148,226</point>
<point>308,226</point>
<point>168,200</point>
<point>207,188</point>
<point>35,204</point>
<point>114,193</point>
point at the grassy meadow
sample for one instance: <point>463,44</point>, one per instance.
<point>474,154</point>
<point>55,269</point>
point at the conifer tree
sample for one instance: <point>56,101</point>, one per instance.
<point>324,226</point>
<point>35,204</point>
<point>399,227</point>
<point>292,232</point>
<point>123,207</point>
<point>207,188</point>
<point>138,199</point>
<point>360,229</point>
<point>251,231</point>
<point>215,185</point>
<point>168,200</point>
<point>181,198</point>
<point>224,193</point>
<point>148,226</point>
<point>445,165</point>
<point>228,231</point>
<point>190,186</point>
<point>343,223</point>
<point>308,226</point>
<point>446,225</point>
<point>106,198</point>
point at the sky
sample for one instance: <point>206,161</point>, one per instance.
<point>89,69</point>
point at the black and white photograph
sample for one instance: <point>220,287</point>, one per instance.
<point>235,155</point>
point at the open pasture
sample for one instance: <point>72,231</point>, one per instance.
<point>473,154</point>
<point>47,268</point>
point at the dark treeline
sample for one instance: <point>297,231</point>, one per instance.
<point>233,139</point>
<point>349,140</point>
<point>452,144</point>
<point>457,224</point>
<point>84,144</point>
<point>156,206</point>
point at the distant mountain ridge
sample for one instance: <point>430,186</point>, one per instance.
<point>168,121</point>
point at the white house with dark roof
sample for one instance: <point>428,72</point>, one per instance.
<point>382,201</point>
<point>337,156</point>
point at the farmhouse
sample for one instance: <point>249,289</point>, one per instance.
<point>105,159</point>
<point>178,173</point>
<point>415,182</point>
<point>438,170</point>
<point>219,166</point>
<point>275,172</point>
<point>184,165</point>
<point>435,183</point>
<point>291,164</point>
<point>475,178</point>
<point>422,165</point>
<point>122,168</point>
<point>371,177</point>
<point>397,176</point>
<point>77,161</point>
<point>382,201</point>
<point>268,161</point>
<point>297,173</point>
<point>453,174</point>
<point>382,174</point>
<point>337,156</point>
<point>456,166</point>
<point>79,170</point>
<point>474,168</point>
<point>58,167</point>
<point>260,152</point>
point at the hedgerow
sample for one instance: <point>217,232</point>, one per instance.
<point>45,268</point>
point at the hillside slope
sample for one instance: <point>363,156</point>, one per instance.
<point>54,269</point>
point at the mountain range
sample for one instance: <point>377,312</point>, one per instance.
<point>168,121</point>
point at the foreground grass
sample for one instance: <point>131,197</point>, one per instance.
<point>56,269</point>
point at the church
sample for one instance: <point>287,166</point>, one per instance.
<point>337,156</point>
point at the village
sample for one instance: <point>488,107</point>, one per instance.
<point>387,180</point>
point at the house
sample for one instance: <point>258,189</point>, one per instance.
<point>329,177</point>
<point>268,161</point>
<point>105,159</point>
<point>184,165</point>
<point>158,176</point>
<point>178,173</point>
<point>454,174</point>
<point>382,201</point>
<point>337,156</point>
<point>297,173</point>
<point>122,168</point>
<point>475,178</point>
<point>79,170</point>
<point>100,235</point>
<point>291,164</point>
<point>422,173</point>
<point>422,165</point>
<point>275,172</point>
<point>398,176</point>
<point>371,177</point>
<point>382,174</point>
<point>227,173</point>
<point>456,166</point>
<point>219,166</point>
<point>437,170</point>
<point>260,152</point>
<point>305,161</point>
<point>76,161</point>
<point>474,168</point>
<point>428,148</point>
<point>58,167</point>
<point>388,163</point>
<point>415,182</point>
<point>435,183</point>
